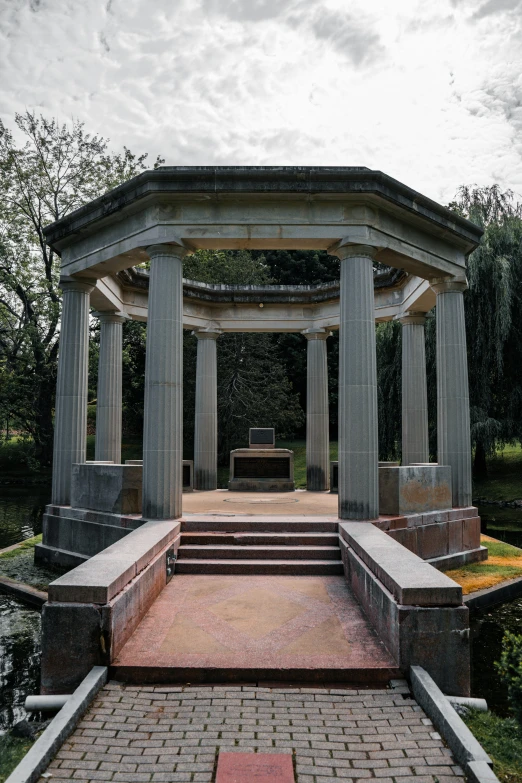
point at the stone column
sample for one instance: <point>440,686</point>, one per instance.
<point>205,431</point>
<point>317,418</point>
<point>415,446</point>
<point>108,406</point>
<point>358,433</point>
<point>453,426</point>
<point>163,409</point>
<point>70,426</point>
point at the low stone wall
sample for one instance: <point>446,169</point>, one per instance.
<point>417,611</point>
<point>438,534</point>
<point>93,610</point>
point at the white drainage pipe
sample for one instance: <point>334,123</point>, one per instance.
<point>46,703</point>
<point>466,701</point>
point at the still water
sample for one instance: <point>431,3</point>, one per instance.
<point>21,517</point>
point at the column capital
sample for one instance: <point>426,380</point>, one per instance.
<point>207,334</point>
<point>78,284</point>
<point>445,285</point>
<point>411,317</point>
<point>344,251</point>
<point>111,317</point>
<point>177,250</point>
<point>316,334</point>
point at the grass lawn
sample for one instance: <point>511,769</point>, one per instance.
<point>501,738</point>
<point>12,751</point>
<point>504,563</point>
<point>504,481</point>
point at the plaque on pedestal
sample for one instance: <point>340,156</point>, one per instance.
<point>262,470</point>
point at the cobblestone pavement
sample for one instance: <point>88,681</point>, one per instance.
<point>168,733</point>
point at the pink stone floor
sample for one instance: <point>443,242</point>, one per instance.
<point>267,626</point>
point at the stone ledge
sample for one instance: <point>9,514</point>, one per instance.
<point>461,741</point>
<point>60,728</point>
<point>409,579</point>
<point>103,576</point>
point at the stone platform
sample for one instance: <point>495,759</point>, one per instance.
<point>255,628</point>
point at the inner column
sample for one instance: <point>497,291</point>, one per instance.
<point>415,447</point>
<point>358,434</point>
<point>163,408</point>
<point>109,402</point>
<point>317,417</point>
<point>205,430</point>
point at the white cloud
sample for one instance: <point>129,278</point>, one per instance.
<point>429,93</point>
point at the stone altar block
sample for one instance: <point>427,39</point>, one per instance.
<point>414,488</point>
<point>112,488</point>
<point>262,470</point>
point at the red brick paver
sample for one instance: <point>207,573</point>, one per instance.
<point>170,733</point>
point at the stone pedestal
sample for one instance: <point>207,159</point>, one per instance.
<point>453,424</point>
<point>358,442</point>
<point>205,430</point>
<point>261,470</point>
<point>415,447</point>
<point>116,489</point>
<point>317,418</point>
<point>70,428</point>
<point>414,489</point>
<point>163,409</point>
<point>108,405</point>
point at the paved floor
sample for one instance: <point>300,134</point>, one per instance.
<point>221,501</point>
<point>255,623</point>
<point>147,734</point>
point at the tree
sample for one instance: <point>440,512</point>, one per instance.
<point>56,170</point>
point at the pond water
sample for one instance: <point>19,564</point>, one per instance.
<point>21,511</point>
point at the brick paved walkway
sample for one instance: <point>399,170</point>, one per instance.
<point>141,734</point>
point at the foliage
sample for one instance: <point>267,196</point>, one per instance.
<point>510,669</point>
<point>56,170</point>
<point>389,377</point>
<point>12,751</point>
<point>501,738</point>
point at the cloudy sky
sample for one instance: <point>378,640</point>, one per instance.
<point>429,92</point>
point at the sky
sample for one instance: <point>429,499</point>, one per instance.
<point>429,92</point>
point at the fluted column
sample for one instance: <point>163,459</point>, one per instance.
<point>415,447</point>
<point>108,405</point>
<point>205,431</point>
<point>453,426</point>
<point>317,418</point>
<point>70,426</point>
<point>163,409</point>
<point>358,433</point>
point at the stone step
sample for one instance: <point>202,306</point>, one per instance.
<point>265,539</point>
<point>258,552</point>
<point>259,524</point>
<point>268,567</point>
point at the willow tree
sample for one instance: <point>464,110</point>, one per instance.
<point>493,304</point>
<point>55,169</point>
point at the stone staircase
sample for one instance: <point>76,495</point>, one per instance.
<point>267,546</point>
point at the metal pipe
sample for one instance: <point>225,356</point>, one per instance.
<point>46,703</point>
<point>465,701</point>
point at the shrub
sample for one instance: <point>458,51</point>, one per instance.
<point>510,669</point>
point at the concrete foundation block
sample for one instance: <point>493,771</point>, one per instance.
<point>432,540</point>
<point>72,643</point>
<point>405,536</point>
<point>454,536</point>
<point>414,489</point>
<point>116,489</point>
<point>470,533</point>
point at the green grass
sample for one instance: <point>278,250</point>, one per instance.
<point>29,543</point>
<point>12,751</point>
<point>504,481</point>
<point>501,738</point>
